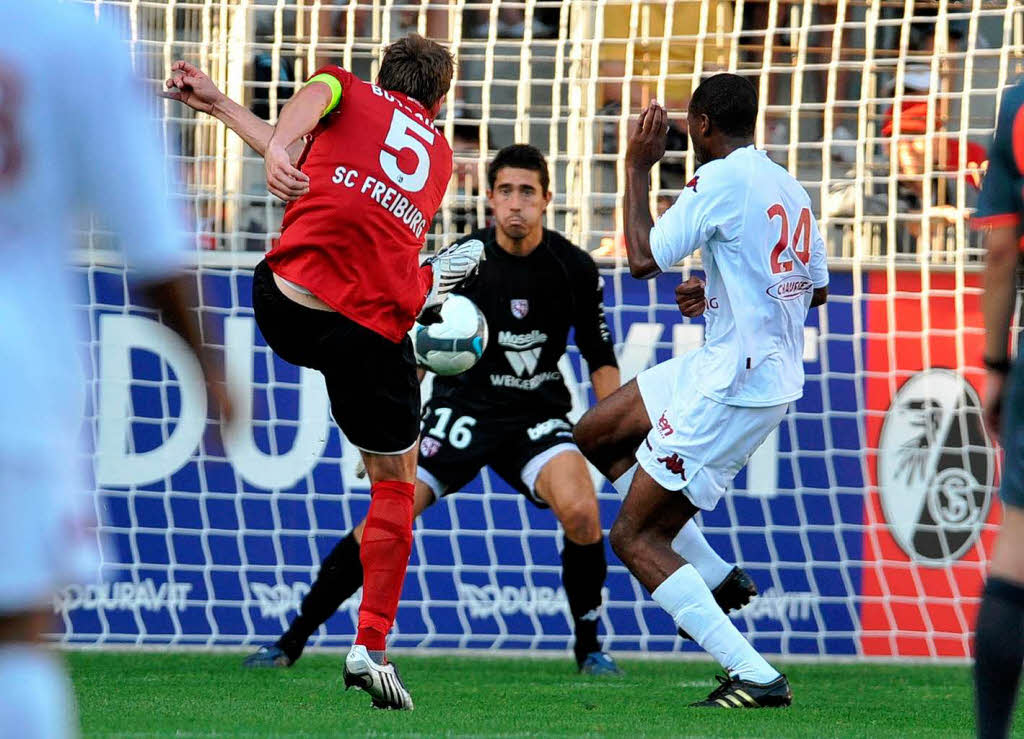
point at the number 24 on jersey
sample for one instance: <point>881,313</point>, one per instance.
<point>801,239</point>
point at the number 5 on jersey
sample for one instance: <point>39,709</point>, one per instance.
<point>801,240</point>
<point>400,138</point>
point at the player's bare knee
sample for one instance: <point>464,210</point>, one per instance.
<point>623,538</point>
<point>581,521</point>
<point>584,434</point>
<point>400,467</point>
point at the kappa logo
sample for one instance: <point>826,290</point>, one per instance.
<point>524,363</point>
<point>429,446</point>
<point>693,183</point>
<point>520,307</point>
<point>674,464</point>
<point>664,427</point>
<point>935,467</point>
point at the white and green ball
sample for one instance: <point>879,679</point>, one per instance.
<point>456,343</point>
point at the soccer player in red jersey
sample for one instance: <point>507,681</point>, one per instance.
<point>344,286</point>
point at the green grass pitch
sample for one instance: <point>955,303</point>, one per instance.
<point>196,694</point>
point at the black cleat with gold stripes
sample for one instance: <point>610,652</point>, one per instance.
<point>736,693</point>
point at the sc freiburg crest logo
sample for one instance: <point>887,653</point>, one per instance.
<point>935,467</point>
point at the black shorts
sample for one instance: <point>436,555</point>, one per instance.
<point>371,381</point>
<point>457,442</point>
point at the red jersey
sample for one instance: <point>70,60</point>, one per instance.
<point>378,169</point>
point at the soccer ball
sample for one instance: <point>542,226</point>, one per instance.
<point>456,343</point>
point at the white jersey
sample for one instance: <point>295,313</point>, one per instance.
<point>763,255</point>
<point>74,137</point>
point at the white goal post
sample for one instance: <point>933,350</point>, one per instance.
<point>866,520</point>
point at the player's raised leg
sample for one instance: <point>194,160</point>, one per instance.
<point>564,483</point>
<point>609,434</point>
<point>642,535</point>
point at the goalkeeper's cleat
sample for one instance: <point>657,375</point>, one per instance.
<point>268,656</point>
<point>382,682</point>
<point>735,591</point>
<point>452,266</point>
<point>599,664</point>
<point>735,693</point>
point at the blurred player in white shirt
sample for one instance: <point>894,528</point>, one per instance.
<point>695,420</point>
<point>64,147</point>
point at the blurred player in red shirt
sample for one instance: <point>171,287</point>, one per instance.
<point>364,171</point>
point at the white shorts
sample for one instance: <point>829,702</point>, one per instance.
<point>697,445</point>
<point>47,534</point>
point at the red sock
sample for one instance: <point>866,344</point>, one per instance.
<point>384,552</point>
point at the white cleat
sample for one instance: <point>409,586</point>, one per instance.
<point>451,266</point>
<point>382,682</point>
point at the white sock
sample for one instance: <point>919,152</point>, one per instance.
<point>691,605</point>
<point>622,483</point>
<point>35,694</point>
<point>694,548</point>
<point>689,543</point>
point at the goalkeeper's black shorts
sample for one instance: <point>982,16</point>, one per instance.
<point>459,440</point>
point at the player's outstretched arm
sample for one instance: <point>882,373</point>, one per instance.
<point>122,174</point>
<point>298,117</point>
<point>646,146</point>
<point>171,298</point>
<point>190,85</point>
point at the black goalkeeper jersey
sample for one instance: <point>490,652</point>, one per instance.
<point>531,303</point>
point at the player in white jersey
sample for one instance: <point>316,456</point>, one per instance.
<point>64,147</point>
<point>698,418</point>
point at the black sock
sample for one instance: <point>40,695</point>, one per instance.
<point>341,575</point>
<point>999,652</point>
<point>583,572</point>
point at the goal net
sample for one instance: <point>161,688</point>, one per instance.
<point>866,520</point>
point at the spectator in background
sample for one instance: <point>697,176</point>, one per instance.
<point>645,76</point>
<point>910,138</point>
<point>465,142</point>
<point>647,54</point>
<point>511,20</point>
<point>909,144</point>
